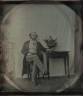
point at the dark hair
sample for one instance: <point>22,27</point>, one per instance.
<point>34,32</point>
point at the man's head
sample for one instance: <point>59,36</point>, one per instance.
<point>33,35</point>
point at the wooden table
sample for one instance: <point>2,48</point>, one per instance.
<point>58,54</point>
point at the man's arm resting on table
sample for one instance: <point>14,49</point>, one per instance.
<point>44,49</point>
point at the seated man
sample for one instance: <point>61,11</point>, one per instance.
<point>32,50</point>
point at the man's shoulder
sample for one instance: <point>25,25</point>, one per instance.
<point>27,42</point>
<point>38,42</point>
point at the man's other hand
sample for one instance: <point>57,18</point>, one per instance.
<point>48,50</point>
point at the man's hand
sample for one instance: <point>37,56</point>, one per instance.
<point>31,53</point>
<point>49,50</point>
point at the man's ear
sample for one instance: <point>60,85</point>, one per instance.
<point>30,35</point>
<point>36,35</point>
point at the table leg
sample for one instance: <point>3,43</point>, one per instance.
<point>68,64</point>
<point>65,64</point>
<point>48,67</point>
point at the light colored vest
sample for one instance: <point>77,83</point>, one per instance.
<point>32,46</point>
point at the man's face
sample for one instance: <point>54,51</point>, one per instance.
<point>33,36</point>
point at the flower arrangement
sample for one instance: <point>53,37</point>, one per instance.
<point>50,42</point>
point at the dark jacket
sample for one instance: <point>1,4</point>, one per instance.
<point>25,51</point>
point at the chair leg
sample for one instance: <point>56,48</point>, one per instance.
<point>38,73</point>
<point>43,76</point>
<point>30,75</point>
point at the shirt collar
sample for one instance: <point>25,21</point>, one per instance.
<point>33,40</point>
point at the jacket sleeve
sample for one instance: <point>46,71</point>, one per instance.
<point>42,48</point>
<point>24,49</point>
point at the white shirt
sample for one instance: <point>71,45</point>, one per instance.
<point>33,46</point>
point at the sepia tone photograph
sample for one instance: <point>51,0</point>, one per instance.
<point>42,47</point>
